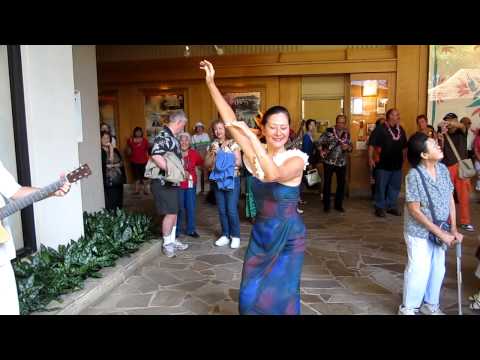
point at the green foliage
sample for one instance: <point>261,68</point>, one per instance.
<point>49,273</point>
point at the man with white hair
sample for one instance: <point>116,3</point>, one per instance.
<point>165,193</point>
<point>201,142</point>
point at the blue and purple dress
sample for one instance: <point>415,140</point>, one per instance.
<point>274,259</point>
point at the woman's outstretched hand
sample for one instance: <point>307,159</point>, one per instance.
<point>209,70</point>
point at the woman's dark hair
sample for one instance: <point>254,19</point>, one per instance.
<point>105,124</point>
<point>417,144</point>
<point>379,120</point>
<point>307,124</point>
<point>138,128</point>
<point>103,133</point>
<point>275,110</point>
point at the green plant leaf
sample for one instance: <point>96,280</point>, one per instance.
<point>50,273</point>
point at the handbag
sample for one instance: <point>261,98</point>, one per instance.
<point>312,177</point>
<point>152,171</point>
<point>115,173</point>
<point>115,177</point>
<point>466,170</point>
<point>444,225</point>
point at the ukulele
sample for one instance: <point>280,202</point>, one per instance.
<point>14,206</point>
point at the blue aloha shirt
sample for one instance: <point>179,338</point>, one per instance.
<point>440,191</point>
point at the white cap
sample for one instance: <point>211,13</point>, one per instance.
<point>199,124</point>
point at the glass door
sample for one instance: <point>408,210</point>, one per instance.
<point>371,95</point>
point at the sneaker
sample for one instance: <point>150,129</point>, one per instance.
<point>395,212</point>
<point>180,246</point>
<point>475,297</point>
<point>402,310</point>
<point>467,227</point>
<point>194,235</point>
<point>340,209</point>
<point>235,244</point>
<point>222,241</point>
<point>300,211</point>
<point>379,212</point>
<point>169,250</point>
<point>427,309</point>
<point>475,305</point>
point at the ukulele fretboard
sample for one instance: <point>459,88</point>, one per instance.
<point>17,205</point>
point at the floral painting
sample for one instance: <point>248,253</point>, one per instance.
<point>454,82</point>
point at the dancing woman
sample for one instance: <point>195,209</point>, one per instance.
<point>274,258</point>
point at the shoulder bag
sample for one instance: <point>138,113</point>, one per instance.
<point>466,170</point>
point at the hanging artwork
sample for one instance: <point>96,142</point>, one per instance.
<point>454,82</point>
<point>381,105</point>
<point>246,106</point>
<point>158,106</point>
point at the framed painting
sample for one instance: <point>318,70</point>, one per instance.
<point>158,105</point>
<point>381,105</point>
<point>245,104</point>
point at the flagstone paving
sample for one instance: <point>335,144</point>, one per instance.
<point>354,265</point>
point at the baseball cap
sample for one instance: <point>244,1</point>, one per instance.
<point>450,116</point>
<point>199,124</point>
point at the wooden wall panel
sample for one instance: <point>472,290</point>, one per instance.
<point>278,74</point>
<point>290,96</point>
<point>411,84</point>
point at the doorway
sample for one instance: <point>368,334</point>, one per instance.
<point>371,96</point>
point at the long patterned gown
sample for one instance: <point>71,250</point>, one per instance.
<point>274,258</point>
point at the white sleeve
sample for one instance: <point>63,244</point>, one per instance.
<point>279,160</point>
<point>8,185</point>
<point>282,157</point>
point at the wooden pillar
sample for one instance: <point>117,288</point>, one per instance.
<point>411,94</point>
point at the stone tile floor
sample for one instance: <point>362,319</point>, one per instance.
<point>354,264</point>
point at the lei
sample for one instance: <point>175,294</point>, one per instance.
<point>395,137</point>
<point>344,138</point>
